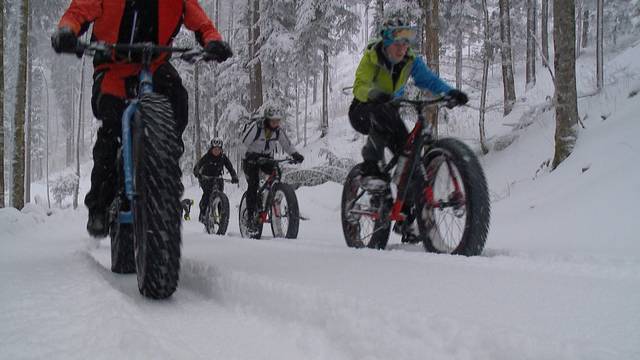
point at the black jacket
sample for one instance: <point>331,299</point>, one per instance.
<point>210,165</point>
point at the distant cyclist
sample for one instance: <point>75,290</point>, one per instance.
<point>209,171</point>
<point>115,75</point>
<point>261,139</point>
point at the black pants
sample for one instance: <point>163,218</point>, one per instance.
<point>109,109</point>
<point>252,172</point>
<point>208,186</point>
<point>384,126</point>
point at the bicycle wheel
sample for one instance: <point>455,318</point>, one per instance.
<point>364,219</point>
<point>217,218</point>
<point>285,214</point>
<point>453,210</point>
<point>245,230</point>
<point>157,149</point>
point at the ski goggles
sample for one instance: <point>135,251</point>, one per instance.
<point>404,35</point>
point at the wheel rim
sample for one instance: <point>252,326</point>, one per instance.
<point>361,227</point>
<point>279,214</point>
<point>446,211</point>
<point>213,215</point>
<point>244,231</point>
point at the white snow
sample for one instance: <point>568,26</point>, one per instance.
<point>559,277</point>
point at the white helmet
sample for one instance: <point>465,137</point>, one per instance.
<point>273,112</point>
<point>217,142</point>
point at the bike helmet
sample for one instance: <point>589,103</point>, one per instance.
<point>273,112</point>
<point>396,29</point>
<point>217,142</point>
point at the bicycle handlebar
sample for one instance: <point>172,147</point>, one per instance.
<point>445,100</point>
<point>205,177</point>
<point>264,161</point>
<point>189,54</point>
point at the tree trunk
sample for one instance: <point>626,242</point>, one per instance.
<point>531,45</point>
<point>46,88</point>
<point>196,99</point>
<point>306,101</point>
<point>2,103</point>
<point>70,127</point>
<point>507,58</point>
<point>366,23</point>
<point>545,29</point>
<point>80,120</point>
<point>297,107</point>
<point>564,36</point>
<point>315,85</point>
<point>579,4</point>
<point>432,49</point>
<point>459,58</point>
<point>255,73</point>
<point>379,14</point>
<point>29,125</point>
<point>485,76</point>
<point>599,46</point>
<point>20,111</point>
<point>325,92</point>
<point>585,28</point>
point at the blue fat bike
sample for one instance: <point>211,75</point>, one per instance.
<point>145,217</point>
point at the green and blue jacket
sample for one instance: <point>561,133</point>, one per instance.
<point>374,71</point>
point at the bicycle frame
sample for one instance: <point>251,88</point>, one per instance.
<point>420,135</point>
<point>145,79</point>
<point>271,180</point>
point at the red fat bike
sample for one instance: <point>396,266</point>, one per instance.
<point>442,179</point>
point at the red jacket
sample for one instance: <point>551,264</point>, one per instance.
<point>113,22</point>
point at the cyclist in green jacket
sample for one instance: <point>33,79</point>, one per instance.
<point>381,76</point>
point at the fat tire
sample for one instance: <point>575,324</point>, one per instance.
<point>157,150</point>
<point>244,231</point>
<point>292,209</point>
<point>224,214</point>
<point>478,206</point>
<point>351,231</point>
<point>122,253</point>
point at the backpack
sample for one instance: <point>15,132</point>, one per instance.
<point>247,126</point>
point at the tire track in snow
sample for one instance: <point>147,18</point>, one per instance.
<point>367,329</point>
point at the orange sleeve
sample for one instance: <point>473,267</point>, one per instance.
<point>80,14</point>
<point>196,20</point>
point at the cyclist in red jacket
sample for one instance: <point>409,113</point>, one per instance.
<point>115,76</point>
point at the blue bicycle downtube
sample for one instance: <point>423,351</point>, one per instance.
<point>127,148</point>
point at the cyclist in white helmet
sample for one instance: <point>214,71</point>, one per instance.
<point>261,139</point>
<point>209,171</point>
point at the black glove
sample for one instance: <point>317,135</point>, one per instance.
<point>234,180</point>
<point>64,40</point>
<point>218,51</point>
<point>297,157</point>
<point>379,97</point>
<point>457,98</point>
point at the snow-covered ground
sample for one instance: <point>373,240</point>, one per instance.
<point>559,277</point>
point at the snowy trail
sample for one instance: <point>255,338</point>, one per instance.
<point>559,278</point>
<point>312,297</point>
<point>291,299</point>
